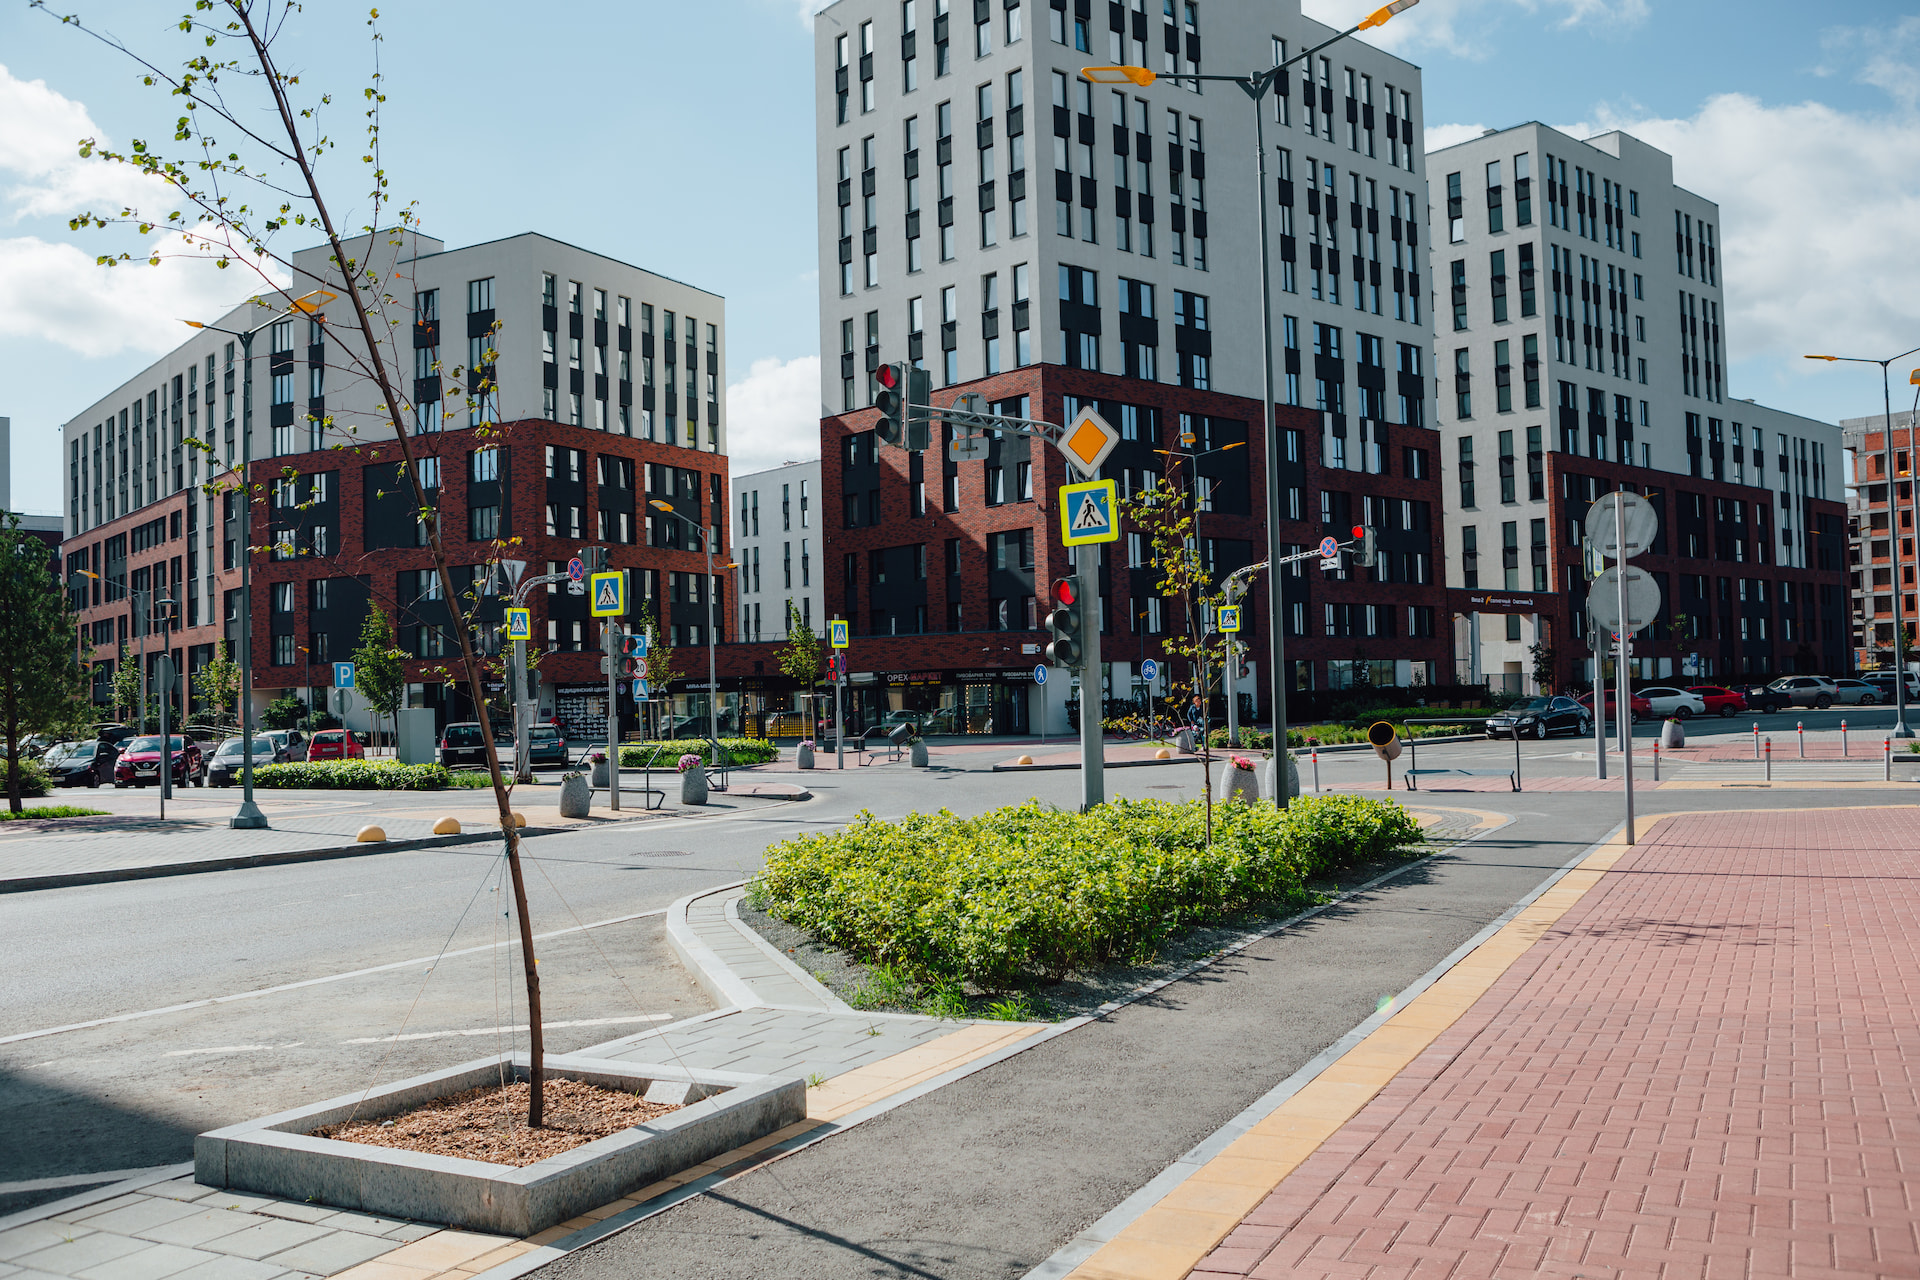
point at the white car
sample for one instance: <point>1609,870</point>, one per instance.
<point>1668,701</point>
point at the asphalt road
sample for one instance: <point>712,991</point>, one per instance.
<point>339,954</point>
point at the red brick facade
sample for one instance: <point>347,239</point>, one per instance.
<point>911,624</point>
<point>1700,537</point>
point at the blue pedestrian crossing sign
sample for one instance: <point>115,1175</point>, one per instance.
<point>1089,512</point>
<point>608,594</point>
<point>1229,617</point>
<point>519,624</point>
<point>343,675</point>
<point>837,633</point>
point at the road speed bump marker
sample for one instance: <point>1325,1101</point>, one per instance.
<point>371,835</point>
<point>519,819</point>
<point>448,826</point>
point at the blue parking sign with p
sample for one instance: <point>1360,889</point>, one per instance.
<point>343,675</point>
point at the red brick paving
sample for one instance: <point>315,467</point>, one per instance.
<point>1707,1068</point>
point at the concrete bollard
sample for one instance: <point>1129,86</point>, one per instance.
<point>1316,770</point>
<point>371,835</point>
<point>519,819</point>
<point>1656,761</point>
<point>1843,739</point>
<point>1024,760</point>
<point>1800,727</point>
<point>1163,754</point>
<point>1769,759</point>
<point>447,826</point>
<point>1756,739</point>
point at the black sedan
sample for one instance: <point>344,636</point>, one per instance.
<point>80,764</point>
<point>1762,697</point>
<point>1540,718</point>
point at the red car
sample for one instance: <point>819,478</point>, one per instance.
<point>1637,706</point>
<point>335,744</point>
<point>139,762</point>
<point>1720,701</point>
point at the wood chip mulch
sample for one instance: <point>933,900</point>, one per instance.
<point>490,1123</point>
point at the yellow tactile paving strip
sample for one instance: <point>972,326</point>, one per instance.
<point>444,1255</point>
<point>1168,1240</point>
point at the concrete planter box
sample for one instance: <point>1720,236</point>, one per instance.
<point>276,1156</point>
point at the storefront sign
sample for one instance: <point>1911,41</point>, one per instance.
<point>1502,601</point>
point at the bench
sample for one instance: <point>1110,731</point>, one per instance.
<point>1511,775</point>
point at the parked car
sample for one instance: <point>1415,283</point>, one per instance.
<point>292,744</point>
<point>1637,707</point>
<point>1858,693</point>
<point>1883,682</point>
<point>227,760</point>
<point>1669,701</point>
<point>1540,718</point>
<point>335,744</point>
<point>1762,697</point>
<point>1807,691</point>
<point>1719,700</point>
<point>461,744</point>
<point>140,759</point>
<point>79,764</point>
<point>547,744</point>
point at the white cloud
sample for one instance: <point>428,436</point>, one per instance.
<point>1460,27</point>
<point>1440,136</point>
<point>807,8</point>
<point>40,156</point>
<point>773,414</point>
<point>58,292</point>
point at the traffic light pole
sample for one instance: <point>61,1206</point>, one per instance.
<point>610,641</point>
<point>1093,781</point>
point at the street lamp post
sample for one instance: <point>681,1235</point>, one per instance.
<point>1257,86</point>
<point>1900,726</point>
<point>249,816</point>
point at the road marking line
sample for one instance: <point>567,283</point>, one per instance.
<point>232,1048</point>
<point>498,1031</point>
<point>315,982</point>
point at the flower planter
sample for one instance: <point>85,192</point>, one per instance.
<point>804,756</point>
<point>1291,776</point>
<point>601,775</point>
<point>1238,785</point>
<point>1672,734</point>
<point>1183,742</point>
<point>693,785</point>
<point>576,796</point>
<point>277,1155</point>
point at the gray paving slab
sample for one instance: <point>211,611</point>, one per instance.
<point>155,1262</point>
<point>299,1212</point>
<point>266,1237</point>
<point>335,1251</point>
<point>202,1227</point>
<point>35,1236</point>
<point>69,1257</point>
<point>230,1268</point>
<point>136,1218</point>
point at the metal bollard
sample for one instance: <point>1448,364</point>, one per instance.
<point>1756,739</point>
<point>1886,749</point>
<point>1800,727</point>
<point>1316,769</point>
<point>1843,739</point>
<point>1769,759</point>
<point>1656,760</point>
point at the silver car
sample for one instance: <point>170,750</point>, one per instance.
<point>1807,691</point>
<point>1858,693</point>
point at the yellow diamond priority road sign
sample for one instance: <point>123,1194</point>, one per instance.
<point>1088,441</point>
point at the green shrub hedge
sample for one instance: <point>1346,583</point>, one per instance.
<point>352,775</point>
<point>1034,890</point>
<point>665,755</point>
<point>35,781</point>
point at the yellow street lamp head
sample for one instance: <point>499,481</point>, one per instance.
<point>664,506</point>
<point>1822,357</point>
<point>193,324</point>
<point>1379,16</point>
<point>1118,75</point>
<point>313,303</point>
<point>1913,379</point>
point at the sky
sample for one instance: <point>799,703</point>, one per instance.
<point>679,137</point>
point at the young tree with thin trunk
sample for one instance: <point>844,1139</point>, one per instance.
<point>218,682</point>
<point>252,145</point>
<point>41,684</point>
<point>800,659</point>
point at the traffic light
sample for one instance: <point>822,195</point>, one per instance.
<point>889,397</point>
<point>919,409</point>
<point>595,558</point>
<point>833,668</point>
<point>1364,555</point>
<point>1063,621</point>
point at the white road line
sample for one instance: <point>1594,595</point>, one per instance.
<point>313,982</point>
<point>498,1031</point>
<point>228,1048</point>
<point>76,1180</point>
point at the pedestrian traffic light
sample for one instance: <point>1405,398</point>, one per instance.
<point>919,409</point>
<point>833,668</point>
<point>1063,621</point>
<point>1364,555</point>
<point>633,644</point>
<point>595,559</point>
<point>890,398</point>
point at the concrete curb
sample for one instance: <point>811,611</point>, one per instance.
<point>709,973</point>
<point>820,990</point>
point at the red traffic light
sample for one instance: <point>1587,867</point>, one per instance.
<point>1359,531</point>
<point>887,376</point>
<point>1063,592</point>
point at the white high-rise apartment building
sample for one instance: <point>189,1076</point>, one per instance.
<point>983,208</point>
<point>1579,347</point>
<point>777,544</point>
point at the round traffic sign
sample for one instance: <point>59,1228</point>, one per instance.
<point>1329,547</point>
<point>1611,512</point>
<point>1040,674</point>
<point>577,569</point>
<point>1643,600</point>
<point>1149,670</point>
